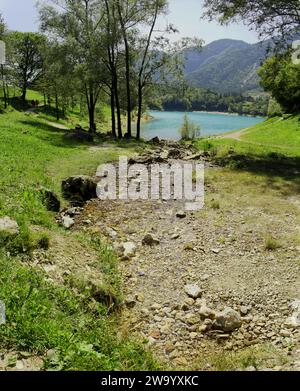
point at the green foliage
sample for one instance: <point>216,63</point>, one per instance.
<point>226,66</point>
<point>41,316</point>
<point>25,58</point>
<point>82,334</point>
<point>274,109</point>
<point>272,18</point>
<point>282,78</point>
<point>182,97</point>
<point>189,130</point>
<point>275,138</point>
<point>2,27</point>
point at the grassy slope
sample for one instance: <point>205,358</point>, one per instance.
<point>40,314</point>
<point>274,135</point>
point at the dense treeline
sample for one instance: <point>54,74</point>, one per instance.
<point>186,98</point>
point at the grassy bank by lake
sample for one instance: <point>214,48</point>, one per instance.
<point>276,135</point>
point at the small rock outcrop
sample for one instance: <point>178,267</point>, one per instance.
<point>49,199</point>
<point>79,189</point>
<point>228,320</point>
<point>150,240</point>
<point>8,227</point>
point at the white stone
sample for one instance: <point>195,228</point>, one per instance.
<point>9,226</point>
<point>193,291</point>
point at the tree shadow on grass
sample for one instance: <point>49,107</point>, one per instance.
<point>54,135</point>
<point>271,166</point>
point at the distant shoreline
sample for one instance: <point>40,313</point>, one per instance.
<point>210,112</point>
<point>216,112</point>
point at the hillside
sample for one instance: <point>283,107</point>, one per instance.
<point>275,141</point>
<point>226,66</point>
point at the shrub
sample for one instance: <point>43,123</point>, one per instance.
<point>272,244</point>
<point>189,130</point>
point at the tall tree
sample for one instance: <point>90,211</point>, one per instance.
<point>148,64</point>
<point>269,17</point>
<point>25,58</point>
<point>111,47</point>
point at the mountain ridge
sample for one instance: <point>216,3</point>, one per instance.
<point>226,65</point>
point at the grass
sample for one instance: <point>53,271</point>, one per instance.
<point>255,357</point>
<point>41,315</point>
<point>272,244</point>
<point>276,137</point>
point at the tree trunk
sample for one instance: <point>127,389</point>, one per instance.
<point>128,90</point>
<point>24,91</point>
<point>140,107</point>
<point>127,66</point>
<point>4,88</point>
<point>113,113</point>
<point>91,102</point>
<point>56,107</point>
<point>92,125</point>
<point>118,107</point>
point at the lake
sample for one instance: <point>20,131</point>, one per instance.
<point>166,124</point>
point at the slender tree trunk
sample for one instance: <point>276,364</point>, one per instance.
<point>141,84</point>
<point>113,112</point>
<point>140,107</point>
<point>91,103</point>
<point>24,92</point>
<point>92,125</point>
<point>128,90</point>
<point>3,85</point>
<point>56,107</point>
<point>118,107</point>
<point>127,66</point>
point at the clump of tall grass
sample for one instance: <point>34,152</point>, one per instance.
<point>189,130</point>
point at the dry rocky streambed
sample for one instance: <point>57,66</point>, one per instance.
<point>199,287</point>
<point>190,295</point>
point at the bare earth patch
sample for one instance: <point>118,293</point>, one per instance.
<point>220,249</point>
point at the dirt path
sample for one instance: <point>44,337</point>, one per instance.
<point>50,123</point>
<point>221,251</point>
<point>234,136</point>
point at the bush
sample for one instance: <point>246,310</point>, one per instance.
<point>189,130</point>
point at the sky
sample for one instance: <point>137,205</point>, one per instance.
<point>184,14</point>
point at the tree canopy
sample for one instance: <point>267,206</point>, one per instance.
<point>270,17</point>
<point>281,78</point>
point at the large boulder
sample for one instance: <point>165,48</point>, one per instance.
<point>79,189</point>
<point>49,199</point>
<point>228,320</point>
<point>8,227</point>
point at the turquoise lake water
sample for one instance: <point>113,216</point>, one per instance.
<point>166,124</point>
